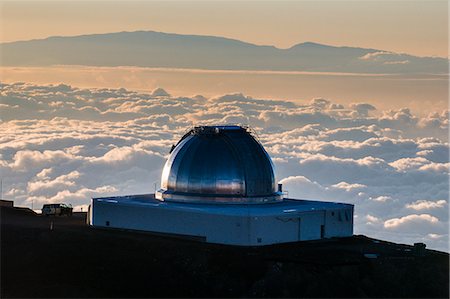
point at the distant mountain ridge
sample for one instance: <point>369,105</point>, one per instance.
<point>157,49</point>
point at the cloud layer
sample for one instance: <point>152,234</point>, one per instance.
<point>64,144</point>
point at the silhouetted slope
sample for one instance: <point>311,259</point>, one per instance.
<point>156,49</point>
<point>73,260</point>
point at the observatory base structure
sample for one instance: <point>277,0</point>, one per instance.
<point>218,185</point>
<point>289,220</point>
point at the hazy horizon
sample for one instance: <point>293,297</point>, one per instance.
<point>212,66</point>
<point>423,94</point>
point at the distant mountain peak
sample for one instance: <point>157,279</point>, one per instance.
<point>171,50</point>
<point>159,92</point>
<point>310,44</point>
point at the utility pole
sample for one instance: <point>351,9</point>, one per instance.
<point>1,188</point>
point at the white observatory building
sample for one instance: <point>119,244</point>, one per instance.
<point>218,186</point>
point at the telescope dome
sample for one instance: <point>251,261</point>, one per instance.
<point>218,164</point>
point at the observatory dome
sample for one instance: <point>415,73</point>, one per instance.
<point>218,164</point>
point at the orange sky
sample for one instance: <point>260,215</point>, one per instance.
<point>415,27</point>
<point>422,93</point>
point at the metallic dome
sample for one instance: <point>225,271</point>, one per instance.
<point>218,164</point>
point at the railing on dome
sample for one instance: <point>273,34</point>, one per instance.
<point>252,132</point>
<point>184,134</point>
<point>201,129</point>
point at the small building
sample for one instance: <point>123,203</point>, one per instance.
<point>218,185</point>
<point>6,203</point>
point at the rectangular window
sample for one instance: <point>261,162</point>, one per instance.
<point>322,231</point>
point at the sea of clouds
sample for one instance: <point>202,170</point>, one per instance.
<point>65,144</point>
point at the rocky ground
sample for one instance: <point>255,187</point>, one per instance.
<point>74,260</point>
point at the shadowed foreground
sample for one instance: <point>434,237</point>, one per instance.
<point>74,260</point>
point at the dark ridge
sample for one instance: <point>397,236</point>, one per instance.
<point>74,260</point>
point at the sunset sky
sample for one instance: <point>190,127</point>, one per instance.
<point>414,27</point>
